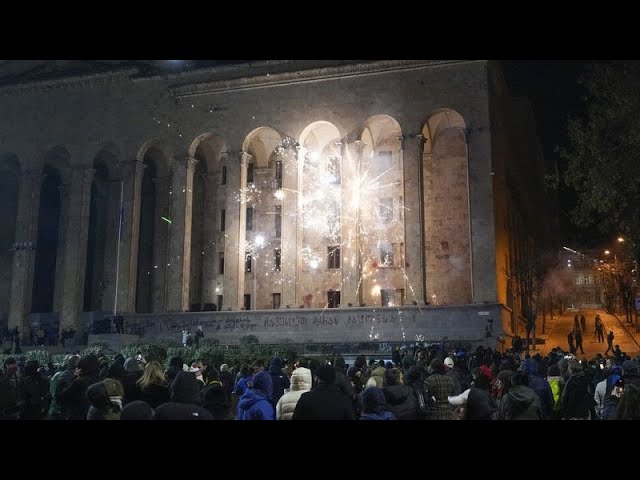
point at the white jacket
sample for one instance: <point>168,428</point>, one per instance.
<point>300,383</point>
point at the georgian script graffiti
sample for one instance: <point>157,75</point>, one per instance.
<point>368,318</point>
<point>301,321</point>
<point>169,325</point>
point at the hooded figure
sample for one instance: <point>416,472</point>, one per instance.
<point>216,401</point>
<point>520,402</point>
<point>106,400</point>
<point>539,385</point>
<point>279,379</point>
<point>255,403</point>
<point>300,382</point>
<point>185,400</point>
<point>373,405</point>
<point>137,410</point>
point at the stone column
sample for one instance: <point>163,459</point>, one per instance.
<point>161,231</point>
<point>58,287</point>
<point>180,235</point>
<point>289,234</point>
<point>23,265</point>
<point>75,247</point>
<point>235,237</point>
<point>210,245</point>
<point>412,152</point>
<point>351,261</point>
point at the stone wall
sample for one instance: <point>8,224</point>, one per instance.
<point>353,325</point>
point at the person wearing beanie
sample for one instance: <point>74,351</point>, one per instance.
<point>374,405</point>
<point>300,383</point>
<point>137,410</point>
<point>256,403</point>
<point>325,401</point>
<point>133,373</point>
<point>520,402</point>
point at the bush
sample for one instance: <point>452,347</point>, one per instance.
<point>42,356</point>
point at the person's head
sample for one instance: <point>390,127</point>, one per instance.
<point>326,374</point>
<point>262,381</point>
<point>629,405</point>
<point>437,366</point>
<point>137,410</point>
<point>152,375</point>
<point>10,365</point>
<point>391,377</point>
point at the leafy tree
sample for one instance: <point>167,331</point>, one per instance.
<point>603,149</point>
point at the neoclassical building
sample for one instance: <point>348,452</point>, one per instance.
<point>262,186</point>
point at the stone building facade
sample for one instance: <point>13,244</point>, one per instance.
<point>261,186</point>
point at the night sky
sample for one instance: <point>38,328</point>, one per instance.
<point>553,89</point>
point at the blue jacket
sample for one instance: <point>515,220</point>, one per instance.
<point>255,405</point>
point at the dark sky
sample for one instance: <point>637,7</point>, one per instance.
<point>552,86</point>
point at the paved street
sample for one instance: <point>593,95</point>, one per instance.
<point>625,334</point>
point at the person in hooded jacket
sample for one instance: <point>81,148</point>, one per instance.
<point>300,383</point>
<point>256,403</point>
<point>325,401</point>
<point>539,385</point>
<point>399,398</point>
<point>520,402</point>
<point>279,379</point>
<point>185,400</point>
<point>374,405</point>
<point>215,400</point>
<point>105,398</point>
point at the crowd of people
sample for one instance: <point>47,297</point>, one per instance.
<point>421,383</point>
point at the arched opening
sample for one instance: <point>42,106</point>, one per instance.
<point>380,234</point>
<point>9,183</point>
<point>153,233</point>
<point>260,241</point>
<point>206,202</point>
<point>44,276</point>
<point>446,210</point>
<point>322,218</point>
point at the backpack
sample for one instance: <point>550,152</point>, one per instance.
<point>556,391</point>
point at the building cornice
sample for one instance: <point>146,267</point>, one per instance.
<point>66,83</point>
<point>293,76</point>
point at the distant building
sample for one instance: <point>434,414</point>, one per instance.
<point>270,185</point>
